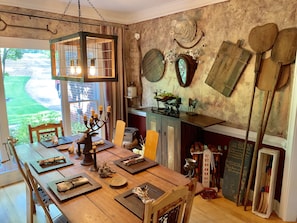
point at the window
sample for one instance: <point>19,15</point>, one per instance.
<point>31,96</point>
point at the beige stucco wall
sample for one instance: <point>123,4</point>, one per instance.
<point>228,21</point>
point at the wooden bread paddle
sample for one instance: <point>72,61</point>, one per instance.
<point>261,39</point>
<point>268,71</point>
<point>283,53</point>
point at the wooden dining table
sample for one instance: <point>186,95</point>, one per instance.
<point>98,205</point>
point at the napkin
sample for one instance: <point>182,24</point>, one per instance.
<point>142,194</point>
<point>55,140</point>
<point>72,183</point>
<point>52,160</point>
<point>134,160</point>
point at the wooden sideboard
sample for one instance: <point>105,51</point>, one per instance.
<point>176,134</point>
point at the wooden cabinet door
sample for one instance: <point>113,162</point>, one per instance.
<point>171,143</point>
<point>168,152</point>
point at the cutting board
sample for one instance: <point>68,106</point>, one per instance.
<point>229,64</point>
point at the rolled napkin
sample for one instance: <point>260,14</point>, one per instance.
<point>71,148</point>
<point>142,194</point>
<point>132,161</point>
<point>55,140</point>
<point>97,143</point>
<point>72,183</point>
<point>52,160</point>
<point>100,142</point>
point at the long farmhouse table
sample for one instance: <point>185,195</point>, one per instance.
<point>98,205</point>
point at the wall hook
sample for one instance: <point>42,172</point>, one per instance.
<point>26,27</point>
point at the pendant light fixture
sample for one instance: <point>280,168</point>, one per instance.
<point>84,56</point>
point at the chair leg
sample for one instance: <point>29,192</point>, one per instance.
<point>30,206</point>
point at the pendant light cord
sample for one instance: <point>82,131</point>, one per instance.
<point>98,13</point>
<point>79,16</point>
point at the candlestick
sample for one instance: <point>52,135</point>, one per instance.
<point>93,124</point>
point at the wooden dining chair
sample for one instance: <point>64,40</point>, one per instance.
<point>151,144</point>
<point>174,206</point>
<point>45,131</point>
<point>58,219</point>
<point>31,199</point>
<point>119,133</point>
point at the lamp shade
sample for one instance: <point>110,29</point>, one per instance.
<point>84,57</point>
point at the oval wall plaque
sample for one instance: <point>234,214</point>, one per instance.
<point>153,65</point>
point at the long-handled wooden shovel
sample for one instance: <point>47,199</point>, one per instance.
<point>283,53</point>
<point>261,39</point>
<point>267,71</point>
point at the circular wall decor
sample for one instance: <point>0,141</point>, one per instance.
<point>153,65</point>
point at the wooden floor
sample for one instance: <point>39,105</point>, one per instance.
<point>13,210</point>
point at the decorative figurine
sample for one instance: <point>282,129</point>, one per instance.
<point>190,166</point>
<point>105,171</point>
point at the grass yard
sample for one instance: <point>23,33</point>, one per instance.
<point>19,104</point>
<point>22,109</point>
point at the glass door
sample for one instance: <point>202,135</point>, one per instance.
<point>28,96</point>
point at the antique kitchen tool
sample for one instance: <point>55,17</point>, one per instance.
<point>268,71</point>
<point>137,37</point>
<point>283,53</point>
<point>229,64</point>
<point>261,39</point>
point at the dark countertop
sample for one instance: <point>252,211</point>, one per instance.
<point>199,120</point>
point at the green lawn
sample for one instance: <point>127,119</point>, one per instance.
<point>19,104</point>
<point>22,109</point>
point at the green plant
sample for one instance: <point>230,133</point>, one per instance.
<point>21,130</point>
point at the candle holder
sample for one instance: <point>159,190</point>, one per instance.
<point>95,123</point>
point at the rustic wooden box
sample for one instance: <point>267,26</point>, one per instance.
<point>267,166</point>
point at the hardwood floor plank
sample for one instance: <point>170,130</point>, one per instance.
<point>13,201</point>
<point>13,205</point>
<point>224,211</point>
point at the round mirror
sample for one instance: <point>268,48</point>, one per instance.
<point>153,65</point>
<point>185,67</point>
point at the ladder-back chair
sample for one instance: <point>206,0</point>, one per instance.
<point>58,219</point>
<point>119,133</point>
<point>174,206</point>
<point>151,144</point>
<point>31,196</point>
<point>46,131</point>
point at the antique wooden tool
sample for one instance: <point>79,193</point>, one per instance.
<point>261,39</point>
<point>229,64</point>
<point>268,71</point>
<point>283,53</point>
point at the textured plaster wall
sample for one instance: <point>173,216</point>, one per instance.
<point>229,21</point>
